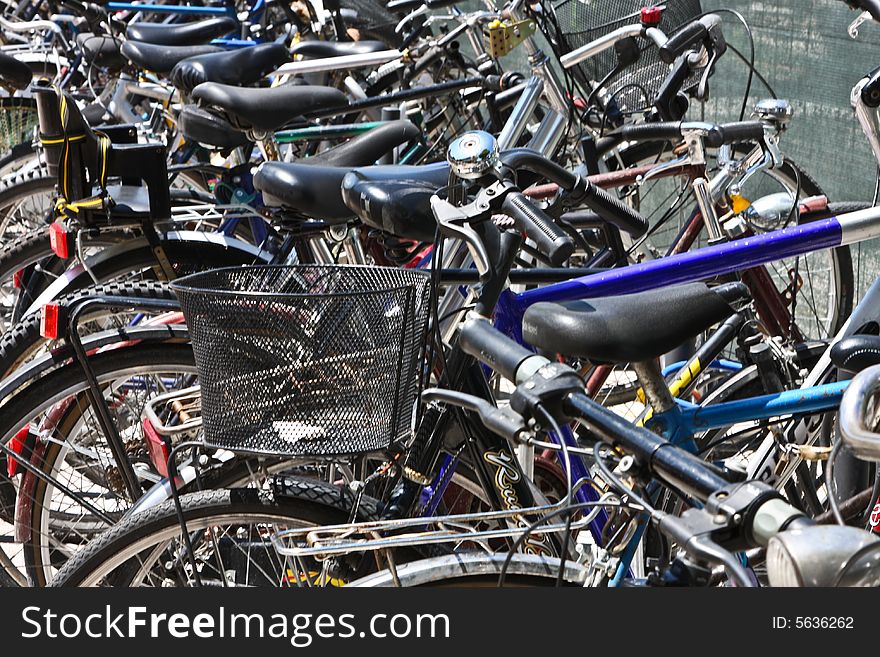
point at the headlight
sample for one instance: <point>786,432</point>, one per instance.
<point>816,556</point>
<point>863,568</point>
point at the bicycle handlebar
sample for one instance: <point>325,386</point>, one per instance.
<point>687,37</point>
<point>550,239</point>
<point>755,511</point>
<point>611,209</point>
<point>481,340</point>
<point>580,190</point>
<point>715,134</point>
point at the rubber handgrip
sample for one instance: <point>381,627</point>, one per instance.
<point>550,239</point>
<point>404,5</point>
<point>613,210</point>
<point>412,5</point>
<point>646,131</point>
<point>688,36</point>
<point>732,133</point>
<point>481,340</point>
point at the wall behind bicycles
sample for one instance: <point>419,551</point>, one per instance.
<point>803,50</point>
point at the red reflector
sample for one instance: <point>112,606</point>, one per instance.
<point>158,447</point>
<point>17,445</point>
<point>651,15</point>
<point>49,321</point>
<point>58,240</point>
<point>16,279</point>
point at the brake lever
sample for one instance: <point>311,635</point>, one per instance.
<point>703,86</point>
<point>695,155</point>
<point>502,421</point>
<point>666,166</point>
<point>771,159</point>
<point>421,11</point>
<point>853,29</point>
<point>455,222</point>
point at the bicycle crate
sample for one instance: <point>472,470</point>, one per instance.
<point>306,360</point>
<point>582,21</point>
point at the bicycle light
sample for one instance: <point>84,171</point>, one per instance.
<point>821,555</point>
<point>473,155</point>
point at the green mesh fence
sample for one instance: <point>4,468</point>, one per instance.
<point>803,49</point>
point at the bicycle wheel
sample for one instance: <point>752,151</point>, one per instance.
<point>230,532</point>
<point>23,341</point>
<point>26,201</point>
<point>75,451</point>
<point>476,570</point>
<point>820,284</point>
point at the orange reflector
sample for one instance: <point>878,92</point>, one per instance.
<point>50,320</point>
<point>16,279</point>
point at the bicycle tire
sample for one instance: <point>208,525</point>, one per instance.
<point>475,570</point>
<point>24,339</point>
<point>305,502</point>
<point>69,383</point>
<point>786,176</point>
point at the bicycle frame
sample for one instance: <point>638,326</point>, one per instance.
<point>686,267</point>
<point>708,262</point>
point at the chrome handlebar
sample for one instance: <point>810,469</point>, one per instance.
<point>857,432</point>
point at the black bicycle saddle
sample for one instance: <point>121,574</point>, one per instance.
<point>236,67</point>
<point>633,327</point>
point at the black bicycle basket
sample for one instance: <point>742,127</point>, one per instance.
<point>582,21</point>
<point>306,360</point>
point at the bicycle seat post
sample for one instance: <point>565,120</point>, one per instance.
<point>657,393</point>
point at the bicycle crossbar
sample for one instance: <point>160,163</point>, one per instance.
<point>338,63</point>
<point>717,260</point>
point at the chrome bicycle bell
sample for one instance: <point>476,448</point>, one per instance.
<point>473,155</point>
<point>773,109</point>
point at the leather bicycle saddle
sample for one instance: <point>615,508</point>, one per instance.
<point>401,207</point>
<point>161,59</point>
<point>857,352</point>
<point>14,73</point>
<point>318,49</point>
<point>312,187</point>
<point>101,50</point>
<point>633,327</point>
<point>180,34</point>
<point>267,109</point>
<point>236,67</point>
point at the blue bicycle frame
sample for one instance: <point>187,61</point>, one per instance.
<point>681,423</point>
<point>228,9</point>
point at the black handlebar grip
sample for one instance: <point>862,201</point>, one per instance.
<point>613,210</point>
<point>412,5</point>
<point>646,131</point>
<point>688,36</point>
<point>733,133</point>
<point>404,5</point>
<point>871,6</point>
<point>550,239</point>
<point>481,340</point>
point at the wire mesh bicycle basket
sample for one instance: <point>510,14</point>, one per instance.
<point>306,360</point>
<point>582,21</point>
<point>18,119</point>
